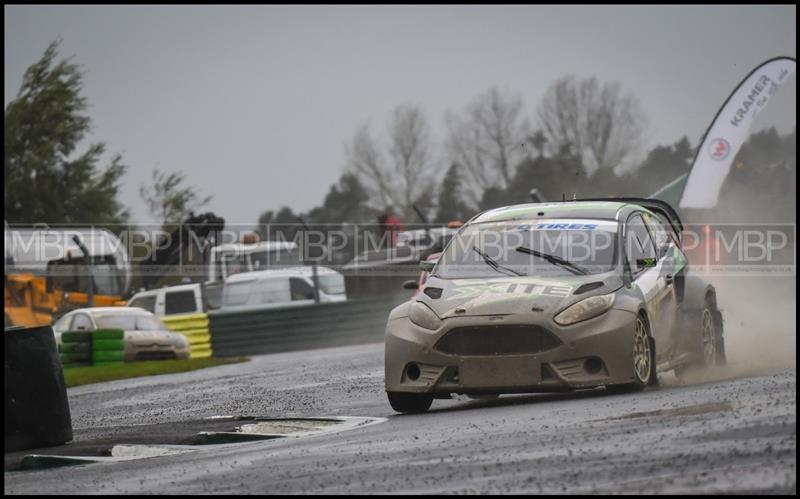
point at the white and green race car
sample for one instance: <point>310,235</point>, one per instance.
<point>554,296</point>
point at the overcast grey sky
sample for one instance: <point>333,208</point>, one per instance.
<point>255,103</point>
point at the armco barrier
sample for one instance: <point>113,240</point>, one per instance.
<point>195,328</point>
<point>321,325</point>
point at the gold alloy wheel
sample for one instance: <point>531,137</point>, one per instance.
<point>641,352</point>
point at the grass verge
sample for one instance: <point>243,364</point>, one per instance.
<point>75,376</point>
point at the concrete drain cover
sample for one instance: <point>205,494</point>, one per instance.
<point>245,429</point>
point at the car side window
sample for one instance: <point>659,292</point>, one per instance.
<point>300,289</point>
<point>659,232</point>
<point>81,322</point>
<point>179,302</point>
<point>146,302</point>
<point>639,246</point>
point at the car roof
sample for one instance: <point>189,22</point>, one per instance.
<point>304,271</point>
<point>177,287</point>
<point>108,310</point>
<point>244,248</point>
<point>568,209</point>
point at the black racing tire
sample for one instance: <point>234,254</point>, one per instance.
<point>709,345</point>
<point>84,347</point>
<point>643,359</point>
<point>410,403</point>
<point>76,337</point>
<point>108,356</point>
<point>71,358</point>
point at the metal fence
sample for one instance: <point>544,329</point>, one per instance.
<point>321,325</point>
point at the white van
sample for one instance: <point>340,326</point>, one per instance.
<point>181,299</point>
<point>235,258</point>
<point>281,288</point>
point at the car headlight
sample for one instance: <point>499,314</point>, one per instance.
<point>424,317</point>
<point>585,309</point>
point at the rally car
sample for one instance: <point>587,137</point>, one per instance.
<point>556,296</point>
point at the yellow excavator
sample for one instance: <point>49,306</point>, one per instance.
<point>28,301</point>
<point>39,289</point>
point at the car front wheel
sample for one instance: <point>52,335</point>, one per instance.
<point>411,403</point>
<point>643,359</point>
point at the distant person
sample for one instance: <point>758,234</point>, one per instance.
<point>391,225</point>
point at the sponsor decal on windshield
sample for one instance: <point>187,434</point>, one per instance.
<point>554,290</point>
<point>582,225</point>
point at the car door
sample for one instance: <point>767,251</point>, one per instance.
<point>645,269</point>
<point>671,270</point>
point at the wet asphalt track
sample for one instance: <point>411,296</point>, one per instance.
<point>731,435</point>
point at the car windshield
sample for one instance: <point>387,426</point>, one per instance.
<point>129,322</point>
<point>557,247</point>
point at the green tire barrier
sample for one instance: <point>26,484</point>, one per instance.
<point>108,345</point>
<point>76,337</point>
<point>76,348</point>
<point>84,347</point>
<point>108,334</point>
<point>71,358</point>
<point>106,356</point>
<point>195,328</point>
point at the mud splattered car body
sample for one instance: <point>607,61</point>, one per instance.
<point>519,312</point>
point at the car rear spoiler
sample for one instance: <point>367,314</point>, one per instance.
<point>655,205</point>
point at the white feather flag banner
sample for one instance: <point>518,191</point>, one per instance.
<point>730,129</point>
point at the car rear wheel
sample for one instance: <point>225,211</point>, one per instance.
<point>413,403</point>
<point>643,359</point>
<point>709,345</point>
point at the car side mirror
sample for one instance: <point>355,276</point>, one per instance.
<point>646,263</point>
<point>426,266</point>
<point>410,284</point>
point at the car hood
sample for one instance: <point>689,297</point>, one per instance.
<point>151,337</point>
<point>513,295</point>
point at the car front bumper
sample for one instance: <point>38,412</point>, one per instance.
<point>591,353</point>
